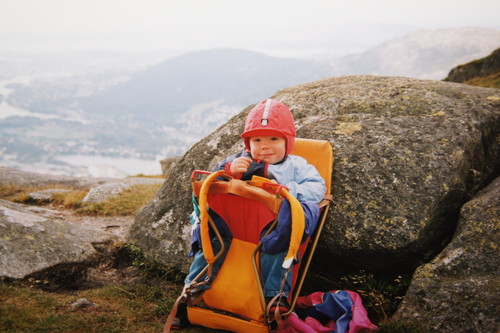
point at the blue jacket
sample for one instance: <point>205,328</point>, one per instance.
<point>302,179</point>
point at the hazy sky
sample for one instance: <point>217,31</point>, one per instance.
<point>278,26</point>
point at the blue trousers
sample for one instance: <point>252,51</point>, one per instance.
<point>270,266</point>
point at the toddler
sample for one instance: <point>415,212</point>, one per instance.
<point>269,137</point>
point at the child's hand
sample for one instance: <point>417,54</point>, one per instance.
<point>240,165</point>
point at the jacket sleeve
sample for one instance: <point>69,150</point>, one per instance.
<point>255,168</point>
<point>301,178</point>
<point>222,164</point>
<point>279,239</point>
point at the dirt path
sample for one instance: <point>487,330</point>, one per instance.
<point>116,225</point>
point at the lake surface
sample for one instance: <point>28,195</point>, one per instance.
<point>102,166</point>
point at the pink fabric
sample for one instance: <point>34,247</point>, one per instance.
<point>294,324</point>
<point>305,302</point>
<point>360,323</point>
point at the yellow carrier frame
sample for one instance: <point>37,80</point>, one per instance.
<point>238,304</point>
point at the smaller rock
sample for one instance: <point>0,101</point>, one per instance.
<point>82,303</point>
<point>32,244</point>
<point>167,163</point>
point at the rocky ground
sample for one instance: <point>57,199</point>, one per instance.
<point>44,230</point>
<point>113,270</point>
<point>116,225</point>
<point>114,267</point>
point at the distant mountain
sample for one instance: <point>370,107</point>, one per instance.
<point>232,77</point>
<point>426,54</point>
<point>156,112</point>
<point>484,72</point>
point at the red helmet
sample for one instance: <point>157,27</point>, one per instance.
<point>270,117</point>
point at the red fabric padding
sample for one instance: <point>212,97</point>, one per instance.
<point>245,217</point>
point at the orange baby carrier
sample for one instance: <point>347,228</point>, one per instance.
<point>235,300</point>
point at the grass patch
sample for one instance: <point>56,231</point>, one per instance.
<point>21,194</point>
<point>72,199</point>
<point>128,202</point>
<point>490,81</point>
<point>140,308</point>
<point>381,295</point>
<point>16,193</point>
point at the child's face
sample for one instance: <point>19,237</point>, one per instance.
<point>269,149</point>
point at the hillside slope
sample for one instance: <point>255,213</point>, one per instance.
<point>484,72</point>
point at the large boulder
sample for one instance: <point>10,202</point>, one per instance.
<point>458,290</point>
<point>33,245</point>
<point>408,154</point>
